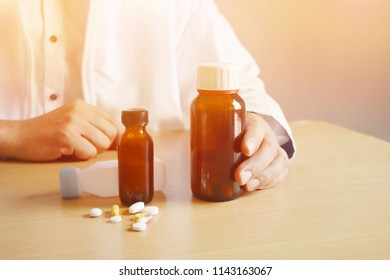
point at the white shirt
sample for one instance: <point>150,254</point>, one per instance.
<point>118,54</point>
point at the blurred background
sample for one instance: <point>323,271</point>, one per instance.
<point>321,60</point>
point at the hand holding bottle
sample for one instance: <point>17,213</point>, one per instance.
<point>268,163</point>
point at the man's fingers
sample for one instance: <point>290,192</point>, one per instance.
<point>253,136</point>
<point>96,137</point>
<point>110,126</point>
<point>266,161</point>
<point>84,149</point>
<point>255,164</point>
<point>99,118</point>
<point>268,176</point>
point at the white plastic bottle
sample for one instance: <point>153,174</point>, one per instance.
<point>101,178</point>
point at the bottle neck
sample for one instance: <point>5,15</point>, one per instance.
<point>136,127</point>
<point>135,130</point>
<point>218,92</point>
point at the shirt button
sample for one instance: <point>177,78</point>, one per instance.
<point>53,39</point>
<point>53,96</point>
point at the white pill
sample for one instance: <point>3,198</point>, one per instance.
<point>136,207</point>
<point>152,210</point>
<point>139,226</point>
<point>145,219</point>
<point>95,212</point>
<point>116,219</point>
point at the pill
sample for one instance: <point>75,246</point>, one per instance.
<point>139,226</point>
<point>136,207</point>
<point>115,210</point>
<point>152,210</point>
<point>95,212</point>
<point>116,219</point>
<point>139,215</point>
<point>145,219</point>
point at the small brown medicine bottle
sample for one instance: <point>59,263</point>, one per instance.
<point>217,123</point>
<point>135,159</point>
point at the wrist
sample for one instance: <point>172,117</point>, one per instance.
<point>283,138</point>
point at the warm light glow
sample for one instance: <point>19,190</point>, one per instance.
<point>327,60</point>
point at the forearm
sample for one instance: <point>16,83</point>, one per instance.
<point>8,138</point>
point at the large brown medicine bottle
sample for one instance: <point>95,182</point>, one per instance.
<point>135,159</point>
<point>217,123</point>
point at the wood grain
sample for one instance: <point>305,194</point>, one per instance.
<point>335,204</point>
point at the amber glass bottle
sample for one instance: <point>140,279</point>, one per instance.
<point>135,159</point>
<point>217,123</point>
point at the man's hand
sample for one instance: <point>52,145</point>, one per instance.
<point>77,129</point>
<point>267,164</point>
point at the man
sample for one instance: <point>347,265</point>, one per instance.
<point>69,67</point>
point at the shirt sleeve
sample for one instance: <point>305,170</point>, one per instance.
<point>206,36</point>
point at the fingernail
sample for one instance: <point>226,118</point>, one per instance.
<point>253,184</point>
<point>245,176</point>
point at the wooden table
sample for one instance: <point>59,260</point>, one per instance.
<point>335,204</point>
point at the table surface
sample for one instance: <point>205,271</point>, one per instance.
<point>335,204</point>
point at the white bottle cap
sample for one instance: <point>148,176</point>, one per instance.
<point>218,76</point>
<point>69,182</point>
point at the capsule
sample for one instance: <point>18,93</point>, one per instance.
<point>115,210</point>
<point>138,216</point>
<point>145,219</point>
